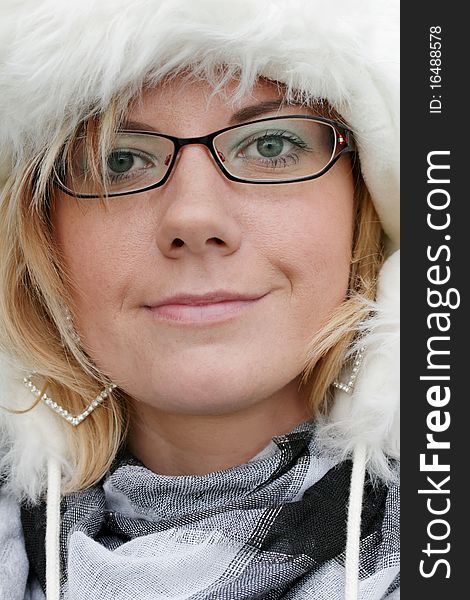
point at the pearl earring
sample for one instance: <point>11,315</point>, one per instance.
<point>62,412</point>
<point>349,386</point>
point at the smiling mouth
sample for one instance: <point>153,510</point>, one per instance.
<point>200,309</point>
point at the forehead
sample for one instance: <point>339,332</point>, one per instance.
<point>179,107</point>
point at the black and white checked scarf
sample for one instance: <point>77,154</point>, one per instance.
<point>272,528</point>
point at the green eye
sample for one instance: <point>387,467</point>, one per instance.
<point>270,146</point>
<point>120,162</point>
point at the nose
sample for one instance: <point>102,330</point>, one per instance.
<point>199,217</point>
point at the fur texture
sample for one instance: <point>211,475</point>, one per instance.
<point>27,440</point>
<point>370,415</point>
<point>61,61</point>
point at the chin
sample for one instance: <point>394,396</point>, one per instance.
<point>202,381</point>
<point>220,396</point>
<point>203,393</point>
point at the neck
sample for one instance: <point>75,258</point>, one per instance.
<point>192,444</point>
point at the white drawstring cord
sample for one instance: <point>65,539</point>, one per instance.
<point>53,530</point>
<point>354,522</point>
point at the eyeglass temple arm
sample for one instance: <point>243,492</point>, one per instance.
<point>351,141</point>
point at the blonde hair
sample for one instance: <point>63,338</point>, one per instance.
<point>34,288</point>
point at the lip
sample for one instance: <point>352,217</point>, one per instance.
<point>196,309</point>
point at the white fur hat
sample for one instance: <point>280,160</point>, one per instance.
<point>62,60</point>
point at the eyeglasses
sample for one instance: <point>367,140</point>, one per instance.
<point>267,151</point>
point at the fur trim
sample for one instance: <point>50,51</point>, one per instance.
<point>27,440</point>
<point>370,415</point>
<point>61,61</point>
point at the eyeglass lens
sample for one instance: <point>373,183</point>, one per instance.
<point>277,150</point>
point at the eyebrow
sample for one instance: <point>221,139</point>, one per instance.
<point>138,126</point>
<point>255,110</point>
<point>244,114</point>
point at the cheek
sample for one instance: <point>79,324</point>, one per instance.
<point>310,242</point>
<point>100,249</point>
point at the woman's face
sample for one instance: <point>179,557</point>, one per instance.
<point>201,296</point>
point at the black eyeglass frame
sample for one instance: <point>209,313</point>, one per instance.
<point>348,145</point>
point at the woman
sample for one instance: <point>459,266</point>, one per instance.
<point>198,300</point>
